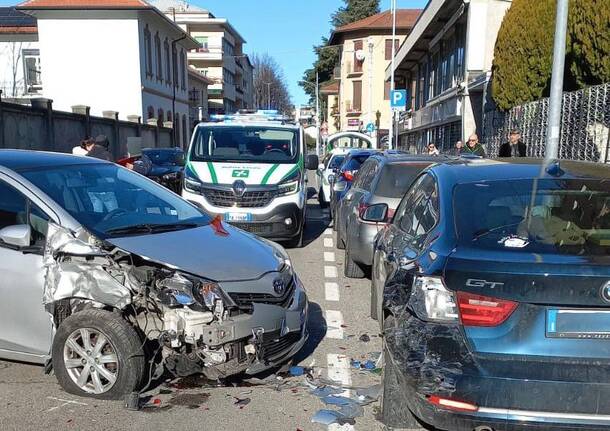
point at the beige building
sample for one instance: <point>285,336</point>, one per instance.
<point>220,56</point>
<point>363,95</point>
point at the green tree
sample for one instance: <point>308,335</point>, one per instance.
<point>327,57</point>
<point>524,49</point>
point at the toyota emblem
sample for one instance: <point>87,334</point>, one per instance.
<point>279,286</point>
<point>239,188</point>
<point>605,292</point>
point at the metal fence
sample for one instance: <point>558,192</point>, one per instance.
<point>585,125</point>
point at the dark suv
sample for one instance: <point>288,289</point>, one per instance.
<point>493,285</point>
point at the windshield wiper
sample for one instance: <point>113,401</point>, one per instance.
<point>150,228</point>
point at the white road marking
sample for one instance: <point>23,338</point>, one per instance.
<point>330,271</point>
<point>64,403</point>
<point>331,291</point>
<point>328,232</point>
<point>329,256</point>
<point>344,427</point>
<point>328,242</point>
<point>334,323</point>
<point>339,370</point>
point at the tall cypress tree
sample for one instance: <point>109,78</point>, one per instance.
<point>524,49</point>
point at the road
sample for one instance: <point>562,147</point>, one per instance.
<point>339,316</point>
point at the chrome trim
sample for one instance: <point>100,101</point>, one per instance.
<point>538,416</point>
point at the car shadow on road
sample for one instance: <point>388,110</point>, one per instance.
<point>316,325</point>
<point>317,220</point>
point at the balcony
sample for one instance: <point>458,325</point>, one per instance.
<point>352,110</point>
<point>352,69</point>
<point>205,53</point>
<point>215,93</point>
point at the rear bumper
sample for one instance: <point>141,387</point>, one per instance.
<point>434,360</point>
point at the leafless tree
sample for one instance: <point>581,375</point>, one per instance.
<point>270,89</point>
<point>15,58</point>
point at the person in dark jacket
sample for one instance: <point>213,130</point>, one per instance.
<point>95,150</point>
<point>473,146</point>
<point>514,147</point>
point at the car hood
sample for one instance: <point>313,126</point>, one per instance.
<point>206,252</point>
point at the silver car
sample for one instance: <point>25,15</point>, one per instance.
<point>98,261</point>
<point>383,178</point>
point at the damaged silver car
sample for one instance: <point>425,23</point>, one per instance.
<point>107,276</point>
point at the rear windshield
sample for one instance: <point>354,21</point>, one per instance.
<point>544,216</point>
<point>163,157</point>
<point>354,163</point>
<point>396,179</point>
<point>254,144</point>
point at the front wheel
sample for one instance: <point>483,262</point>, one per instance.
<point>97,353</point>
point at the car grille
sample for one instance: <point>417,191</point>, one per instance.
<point>250,199</point>
<point>257,228</point>
<point>245,300</point>
<point>273,345</point>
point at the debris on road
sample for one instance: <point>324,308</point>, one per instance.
<point>365,338</point>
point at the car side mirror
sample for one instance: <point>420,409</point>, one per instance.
<point>376,213</point>
<point>18,235</point>
<point>180,159</point>
<point>312,162</point>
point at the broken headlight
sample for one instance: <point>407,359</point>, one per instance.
<point>181,290</point>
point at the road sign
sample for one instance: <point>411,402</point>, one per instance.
<point>398,100</point>
<point>370,127</point>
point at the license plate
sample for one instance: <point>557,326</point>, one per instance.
<point>238,217</point>
<point>585,324</point>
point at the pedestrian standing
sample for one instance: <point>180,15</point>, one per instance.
<point>432,150</point>
<point>95,150</point>
<point>514,147</point>
<point>473,146</point>
<point>459,147</point>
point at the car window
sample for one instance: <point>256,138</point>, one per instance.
<point>367,179</point>
<point>16,208</point>
<point>336,161</point>
<point>395,179</point>
<point>362,173</point>
<point>353,163</point>
<point>418,212</point>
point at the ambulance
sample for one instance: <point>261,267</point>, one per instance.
<point>250,168</point>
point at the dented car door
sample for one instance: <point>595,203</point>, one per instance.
<point>27,328</point>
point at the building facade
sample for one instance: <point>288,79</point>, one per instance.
<point>129,59</point>
<point>445,64</point>
<point>198,97</point>
<point>366,50</point>
<point>220,55</point>
<point>20,74</point>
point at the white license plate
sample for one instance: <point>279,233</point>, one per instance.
<point>238,217</point>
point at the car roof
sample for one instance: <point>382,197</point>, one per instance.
<point>402,157</point>
<point>460,171</point>
<point>29,159</point>
<point>268,124</point>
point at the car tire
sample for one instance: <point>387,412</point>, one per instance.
<point>351,269</point>
<point>394,411</point>
<point>298,241</point>
<point>122,344</point>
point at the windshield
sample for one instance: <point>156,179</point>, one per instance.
<point>544,216</point>
<point>255,144</point>
<point>396,179</point>
<point>108,199</point>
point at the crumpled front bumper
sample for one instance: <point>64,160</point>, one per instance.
<point>278,333</point>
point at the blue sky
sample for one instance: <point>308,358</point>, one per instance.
<point>285,29</point>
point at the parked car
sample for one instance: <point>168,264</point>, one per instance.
<point>167,167</point>
<point>97,260</point>
<point>342,180</point>
<point>494,297</point>
<point>383,178</point>
<point>329,167</point>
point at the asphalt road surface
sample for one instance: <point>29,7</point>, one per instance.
<point>339,317</point>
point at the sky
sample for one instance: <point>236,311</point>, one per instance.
<point>284,29</point>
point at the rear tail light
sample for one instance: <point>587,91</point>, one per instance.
<point>479,310</point>
<point>432,301</point>
<point>348,175</point>
<point>452,404</point>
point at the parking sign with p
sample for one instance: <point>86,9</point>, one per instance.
<point>398,100</point>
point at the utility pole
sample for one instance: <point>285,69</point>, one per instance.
<point>391,131</point>
<point>559,54</point>
<point>317,114</point>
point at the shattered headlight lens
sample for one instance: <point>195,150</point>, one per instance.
<point>184,290</point>
<point>432,301</point>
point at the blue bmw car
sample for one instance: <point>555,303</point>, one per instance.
<point>492,286</point>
